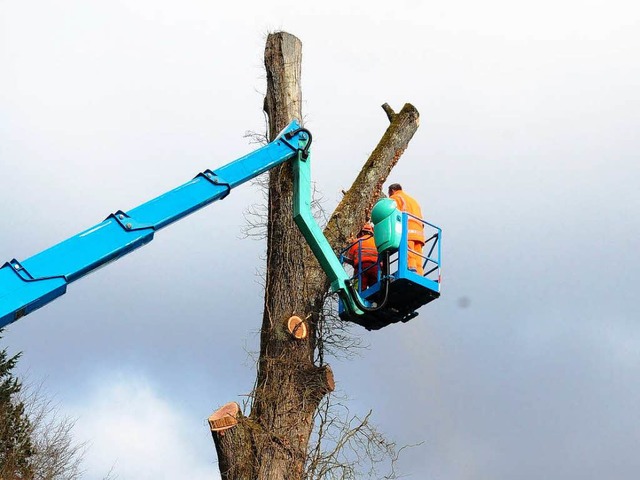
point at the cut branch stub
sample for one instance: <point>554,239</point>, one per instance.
<point>331,383</point>
<point>389,111</point>
<point>225,417</point>
<point>297,327</point>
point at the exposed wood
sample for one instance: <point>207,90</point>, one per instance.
<point>297,328</point>
<point>330,381</point>
<point>224,417</point>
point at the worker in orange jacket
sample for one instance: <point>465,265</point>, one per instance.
<point>364,253</point>
<point>415,235</point>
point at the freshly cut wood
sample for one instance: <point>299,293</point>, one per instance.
<point>331,383</point>
<point>224,417</point>
<point>297,327</point>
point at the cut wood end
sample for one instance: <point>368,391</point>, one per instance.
<point>297,327</point>
<point>224,417</point>
<point>409,109</point>
<point>331,383</point>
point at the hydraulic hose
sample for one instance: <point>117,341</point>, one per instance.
<point>387,281</point>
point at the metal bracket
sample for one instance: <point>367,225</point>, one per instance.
<point>129,224</point>
<point>25,276</point>
<point>304,136</point>
<point>218,181</point>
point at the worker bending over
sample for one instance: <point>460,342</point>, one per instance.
<point>364,254</point>
<point>415,235</point>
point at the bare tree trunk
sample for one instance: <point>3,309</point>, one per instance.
<point>271,443</point>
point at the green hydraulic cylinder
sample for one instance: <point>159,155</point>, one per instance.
<point>316,240</point>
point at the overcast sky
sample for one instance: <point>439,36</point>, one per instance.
<point>527,156</point>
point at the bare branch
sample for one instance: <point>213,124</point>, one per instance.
<point>57,455</point>
<point>347,447</point>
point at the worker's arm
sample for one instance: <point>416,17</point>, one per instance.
<point>351,253</point>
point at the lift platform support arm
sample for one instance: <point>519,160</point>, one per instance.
<point>28,285</point>
<point>312,233</point>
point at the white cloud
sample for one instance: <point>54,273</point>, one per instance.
<point>129,426</point>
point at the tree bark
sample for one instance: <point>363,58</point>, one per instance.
<point>271,443</point>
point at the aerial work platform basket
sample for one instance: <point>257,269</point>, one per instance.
<point>408,290</point>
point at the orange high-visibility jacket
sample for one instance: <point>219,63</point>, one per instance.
<point>368,252</point>
<point>408,204</point>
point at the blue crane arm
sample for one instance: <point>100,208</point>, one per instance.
<point>28,285</point>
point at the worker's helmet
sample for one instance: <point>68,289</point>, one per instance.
<point>367,228</point>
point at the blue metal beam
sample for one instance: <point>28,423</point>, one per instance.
<point>28,285</point>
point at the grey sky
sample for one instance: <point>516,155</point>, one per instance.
<point>526,156</point>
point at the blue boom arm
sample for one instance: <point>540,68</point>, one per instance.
<point>28,285</point>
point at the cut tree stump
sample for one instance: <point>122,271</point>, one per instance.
<point>297,327</point>
<point>225,417</point>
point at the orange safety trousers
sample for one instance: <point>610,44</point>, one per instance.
<point>414,259</point>
<point>367,254</point>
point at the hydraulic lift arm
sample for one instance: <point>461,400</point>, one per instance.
<point>28,285</point>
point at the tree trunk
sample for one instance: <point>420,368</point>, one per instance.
<point>271,443</point>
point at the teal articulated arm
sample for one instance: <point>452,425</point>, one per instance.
<point>313,235</point>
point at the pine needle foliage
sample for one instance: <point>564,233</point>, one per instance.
<point>16,448</point>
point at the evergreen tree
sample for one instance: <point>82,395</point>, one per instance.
<point>16,448</point>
